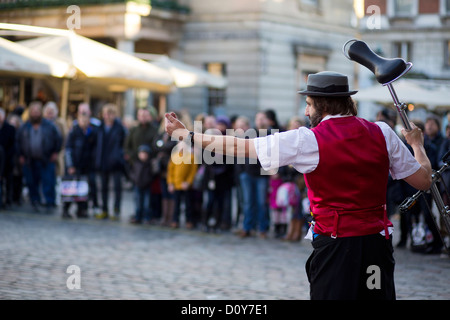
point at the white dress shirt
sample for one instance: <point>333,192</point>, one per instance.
<point>300,149</point>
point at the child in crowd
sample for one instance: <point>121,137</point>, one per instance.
<point>279,222</point>
<point>180,176</point>
<point>141,175</point>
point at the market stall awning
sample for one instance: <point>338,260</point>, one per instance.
<point>185,75</point>
<point>101,63</point>
<point>17,60</point>
<point>408,91</point>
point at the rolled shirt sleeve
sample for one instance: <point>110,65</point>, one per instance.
<point>298,148</point>
<point>402,163</point>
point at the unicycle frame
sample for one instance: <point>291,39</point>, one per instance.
<point>444,210</point>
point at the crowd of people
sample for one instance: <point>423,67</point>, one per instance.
<point>39,151</point>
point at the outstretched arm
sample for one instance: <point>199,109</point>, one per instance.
<point>227,145</point>
<point>422,178</point>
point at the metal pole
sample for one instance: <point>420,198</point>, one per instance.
<point>400,107</point>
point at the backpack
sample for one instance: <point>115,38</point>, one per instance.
<point>288,195</point>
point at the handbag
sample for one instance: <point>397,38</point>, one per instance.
<point>74,189</point>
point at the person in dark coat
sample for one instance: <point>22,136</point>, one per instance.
<point>2,164</point>
<point>80,159</point>
<point>110,159</point>
<point>7,141</point>
<point>219,180</point>
<point>38,144</point>
<point>141,175</point>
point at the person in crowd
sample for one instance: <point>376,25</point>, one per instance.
<point>180,176</point>
<point>17,175</point>
<point>141,175</point>
<point>50,112</point>
<point>277,212</point>
<point>143,133</point>
<point>345,160</point>
<point>7,142</point>
<point>80,160</point>
<point>241,125</point>
<point>2,166</point>
<point>38,145</point>
<point>387,115</point>
<point>287,202</point>
<point>445,185</point>
<point>162,149</point>
<point>209,122</point>
<point>434,137</point>
<point>219,179</point>
<point>297,221</point>
<point>394,193</point>
<point>84,110</point>
<point>422,210</point>
<point>254,184</point>
<point>272,120</point>
<point>109,157</point>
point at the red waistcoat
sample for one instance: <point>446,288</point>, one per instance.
<point>347,190</point>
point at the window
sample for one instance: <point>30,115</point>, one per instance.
<point>402,50</point>
<point>313,3</point>
<point>446,7</point>
<point>309,5</point>
<point>404,8</point>
<point>216,97</point>
<point>447,54</point>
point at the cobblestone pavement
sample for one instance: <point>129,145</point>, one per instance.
<point>118,260</point>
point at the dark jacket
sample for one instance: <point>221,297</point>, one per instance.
<point>141,173</point>
<point>80,149</point>
<point>162,149</point>
<point>2,166</point>
<point>109,155</point>
<point>7,141</point>
<point>139,135</point>
<point>221,173</point>
<point>51,140</point>
<point>250,166</point>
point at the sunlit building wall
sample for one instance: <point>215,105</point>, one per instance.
<point>265,48</point>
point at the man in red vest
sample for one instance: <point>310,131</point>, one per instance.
<point>346,161</point>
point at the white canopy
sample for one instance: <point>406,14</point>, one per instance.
<point>101,63</point>
<point>185,75</point>
<point>22,61</point>
<point>408,91</point>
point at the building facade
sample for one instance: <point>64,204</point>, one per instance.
<point>415,30</point>
<point>265,48</point>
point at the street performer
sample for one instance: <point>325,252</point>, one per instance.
<point>346,161</point>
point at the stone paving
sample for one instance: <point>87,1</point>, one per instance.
<point>117,260</point>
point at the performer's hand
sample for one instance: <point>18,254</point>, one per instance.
<point>172,123</point>
<point>414,136</point>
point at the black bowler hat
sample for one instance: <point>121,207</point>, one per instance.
<point>327,84</point>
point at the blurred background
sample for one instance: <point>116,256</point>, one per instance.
<point>217,57</point>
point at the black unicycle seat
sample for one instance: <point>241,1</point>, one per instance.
<point>384,69</point>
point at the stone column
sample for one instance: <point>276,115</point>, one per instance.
<point>127,46</point>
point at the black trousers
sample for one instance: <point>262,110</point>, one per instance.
<point>351,268</point>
